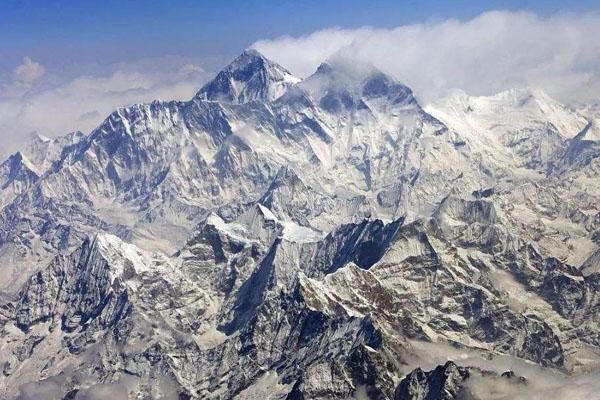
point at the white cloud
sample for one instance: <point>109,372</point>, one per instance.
<point>58,105</point>
<point>29,71</point>
<point>303,54</point>
<point>492,52</point>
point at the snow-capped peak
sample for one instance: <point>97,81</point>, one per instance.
<point>292,278</point>
<point>345,82</point>
<point>120,254</point>
<point>38,137</point>
<point>17,174</point>
<point>17,164</point>
<point>250,77</point>
<point>43,151</point>
<point>524,105</point>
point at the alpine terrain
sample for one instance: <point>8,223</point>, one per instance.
<point>319,238</point>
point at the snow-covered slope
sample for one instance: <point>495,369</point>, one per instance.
<point>306,239</point>
<point>250,77</point>
<point>521,127</point>
<point>17,174</point>
<point>43,151</point>
<point>149,173</point>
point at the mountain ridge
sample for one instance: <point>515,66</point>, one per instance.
<point>323,236</point>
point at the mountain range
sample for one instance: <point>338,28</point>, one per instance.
<point>317,238</point>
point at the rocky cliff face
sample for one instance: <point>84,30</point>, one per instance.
<point>302,240</point>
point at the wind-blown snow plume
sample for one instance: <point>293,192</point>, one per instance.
<point>492,52</point>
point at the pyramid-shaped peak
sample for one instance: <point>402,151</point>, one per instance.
<point>18,161</point>
<point>324,68</point>
<point>251,53</point>
<point>250,58</point>
<point>343,71</point>
<point>350,81</point>
<point>346,66</point>
<point>249,77</point>
<point>17,168</point>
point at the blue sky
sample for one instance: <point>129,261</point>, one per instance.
<point>58,33</point>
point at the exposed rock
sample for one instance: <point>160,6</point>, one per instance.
<point>297,238</point>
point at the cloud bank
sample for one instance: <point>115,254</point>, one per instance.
<point>490,53</point>
<point>34,100</point>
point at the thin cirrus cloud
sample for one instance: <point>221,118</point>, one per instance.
<point>35,100</point>
<point>495,51</point>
